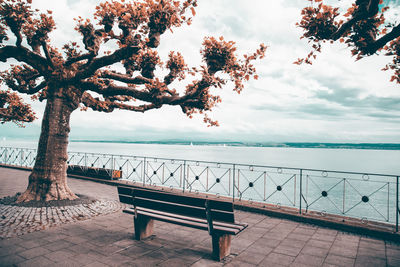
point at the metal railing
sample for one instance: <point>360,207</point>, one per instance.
<point>365,196</point>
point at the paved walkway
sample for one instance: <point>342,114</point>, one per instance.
<point>106,240</point>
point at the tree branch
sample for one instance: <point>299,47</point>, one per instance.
<point>97,63</point>
<point>115,90</point>
<point>26,88</point>
<point>47,54</point>
<point>109,106</point>
<point>366,9</point>
<point>125,78</point>
<point>72,60</point>
<point>381,42</point>
<point>24,55</point>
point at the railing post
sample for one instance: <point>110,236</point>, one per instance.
<point>144,171</point>
<point>233,182</point>
<point>184,176</point>
<point>301,188</point>
<point>85,160</point>
<point>397,204</point>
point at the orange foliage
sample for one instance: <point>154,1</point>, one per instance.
<point>13,109</point>
<point>364,31</point>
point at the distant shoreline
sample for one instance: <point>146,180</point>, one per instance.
<point>373,146</point>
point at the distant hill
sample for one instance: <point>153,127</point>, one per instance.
<point>379,146</point>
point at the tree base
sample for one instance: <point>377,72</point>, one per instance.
<point>45,192</point>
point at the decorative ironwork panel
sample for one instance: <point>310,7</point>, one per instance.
<point>209,177</point>
<point>164,172</point>
<point>271,185</point>
<point>357,195</point>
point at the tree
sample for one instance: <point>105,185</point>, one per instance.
<point>75,77</point>
<point>362,28</point>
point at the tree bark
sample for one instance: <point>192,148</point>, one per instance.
<point>48,180</point>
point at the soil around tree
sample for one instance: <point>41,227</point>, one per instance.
<point>11,200</point>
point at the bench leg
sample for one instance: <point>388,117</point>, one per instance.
<point>221,246</point>
<point>143,227</point>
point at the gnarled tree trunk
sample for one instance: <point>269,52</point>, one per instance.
<point>48,180</point>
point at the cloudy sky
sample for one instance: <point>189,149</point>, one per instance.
<point>334,100</point>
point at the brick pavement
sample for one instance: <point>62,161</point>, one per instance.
<point>107,240</point>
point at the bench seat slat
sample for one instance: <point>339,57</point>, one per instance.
<point>186,221</point>
<point>238,226</point>
<point>189,200</point>
<point>169,197</point>
<point>183,209</point>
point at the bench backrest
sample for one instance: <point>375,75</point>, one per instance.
<point>178,204</point>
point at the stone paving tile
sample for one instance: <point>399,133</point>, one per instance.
<point>319,243</point>
<point>277,258</point>
<point>308,260</point>
<point>251,257</point>
<point>60,255</point>
<point>394,253</point>
<point>30,244</point>
<point>167,263</point>
<point>296,236</point>
<point>304,231</point>
<point>69,263</point>
<point>288,250</point>
<point>82,259</point>
<point>33,252</point>
<point>326,231</point>
<point>75,239</point>
<point>38,261</point>
<point>323,237</point>
<point>315,251</point>
<point>4,251</point>
<point>371,253</point>
<point>134,251</point>
<point>116,260</point>
<point>349,252</point>
<point>255,248</point>
<point>57,245</point>
<point>392,245</point>
<point>96,264</point>
<point>365,261</point>
<point>267,242</point>
<point>372,245</point>
<point>10,260</point>
<point>206,262</point>
<point>349,238</point>
<point>339,260</point>
<point>81,248</point>
<point>393,261</point>
<point>239,264</point>
<point>293,243</point>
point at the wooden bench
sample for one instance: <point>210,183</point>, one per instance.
<point>215,216</point>
<point>100,173</point>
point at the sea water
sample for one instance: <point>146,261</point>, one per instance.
<point>349,160</point>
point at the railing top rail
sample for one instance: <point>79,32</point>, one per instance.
<point>228,163</point>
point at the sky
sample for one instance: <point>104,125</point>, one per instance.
<point>334,100</point>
